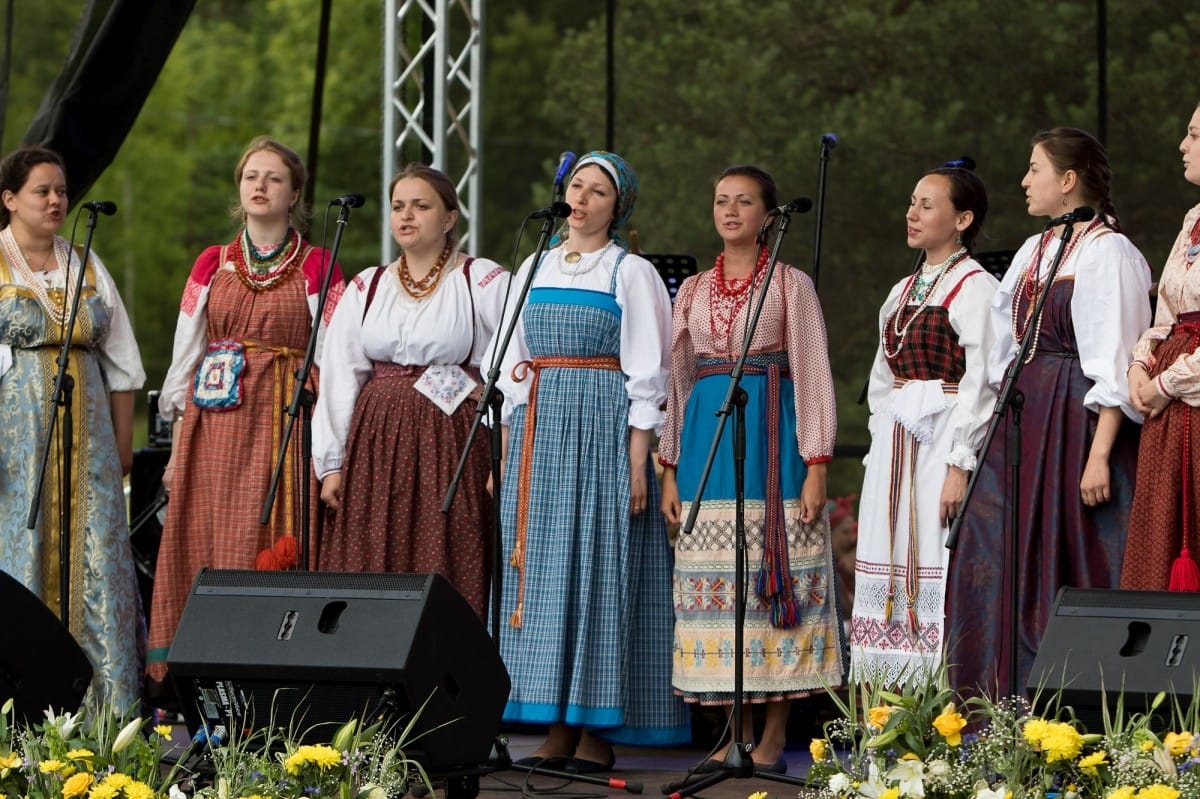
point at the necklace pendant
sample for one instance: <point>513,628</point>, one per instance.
<point>573,257</point>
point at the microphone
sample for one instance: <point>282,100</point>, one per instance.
<point>565,162</point>
<point>799,205</point>
<point>558,209</point>
<point>829,141</point>
<point>1084,213</point>
<point>348,201</point>
<point>966,162</point>
<point>106,207</point>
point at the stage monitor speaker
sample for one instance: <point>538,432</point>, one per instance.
<point>311,650</point>
<point>41,664</point>
<point>673,269</point>
<point>1101,642</point>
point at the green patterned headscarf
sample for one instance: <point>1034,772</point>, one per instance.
<point>626,182</point>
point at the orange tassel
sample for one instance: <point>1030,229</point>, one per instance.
<point>517,559</point>
<point>1185,575</point>
<point>887,609</point>
<point>515,619</point>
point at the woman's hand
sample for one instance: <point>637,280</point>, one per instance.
<point>331,490</point>
<point>638,491</point>
<point>1149,397</point>
<point>168,475</point>
<point>1137,379</point>
<point>813,495</point>
<point>954,489</point>
<point>1094,487</point>
<point>672,508</point>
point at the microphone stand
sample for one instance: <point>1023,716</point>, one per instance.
<point>304,398</point>
<point>828,142</point>
<point>738,763</point>
<point>62,395</point>
<point>1011,397</point>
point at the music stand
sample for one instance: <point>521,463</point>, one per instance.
<point>672,268</point>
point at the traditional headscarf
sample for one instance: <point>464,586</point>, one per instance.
<point>623,178</point>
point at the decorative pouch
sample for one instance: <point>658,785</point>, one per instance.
<point>446,386</point>
<point>218,380</point>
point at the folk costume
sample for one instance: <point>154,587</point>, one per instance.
<point>394,417</point>
<point>1083,341</point>
<point>585,612</point>
<point>1164,526</point>
<point>104,613</point>
<point>930,403</point>
<point>792,631</point>
<point>243,329</point>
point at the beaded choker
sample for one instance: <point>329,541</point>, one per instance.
<point>259,272</point>
<point>1030,286</point>
<point>727,298</point>
<point>917,291</point>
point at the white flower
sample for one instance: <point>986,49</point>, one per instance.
<point>839,783</point>
<point>874,784</point>
<point>982,791</point>
<point>127,734</point>
<point>66,723</point>
<point>372,791</point>
<point>176,793</point>
<point>938,768</point>
<point>1164,761</point>
<point>909,776</point>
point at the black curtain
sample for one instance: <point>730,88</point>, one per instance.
<point>118,51</point>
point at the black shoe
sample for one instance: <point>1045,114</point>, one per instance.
<point>710,766</point>
<point>541,762</point>
<point>580,765</point>
<point>778,767</point>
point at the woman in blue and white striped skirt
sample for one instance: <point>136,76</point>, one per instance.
<point>586,604</point>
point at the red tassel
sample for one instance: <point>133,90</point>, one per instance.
<point>1185,575</point>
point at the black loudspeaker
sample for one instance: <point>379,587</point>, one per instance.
<point>41,664</point>
<point>311,650</point>
<point>673,269</point>
<point>1100,642</point>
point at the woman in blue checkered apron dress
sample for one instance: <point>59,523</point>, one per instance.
<point>586,607</point>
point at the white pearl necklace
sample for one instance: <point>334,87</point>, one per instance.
<point>40,283</point>
<point>908,297</point>
<point>586,262</point>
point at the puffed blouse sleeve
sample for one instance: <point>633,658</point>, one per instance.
<point>347,368</point>
<point>968,313</point>
<point>808,358</point>
<point>1178,292</point>
<point>1004,348</point>
<point>682,375</point>
<point>645,335</point>
<point>118,349</point>
<point>1110,309</point>
<point>314,267</point>
<point>489,288</point>
<point>190,334</point>
<point>515,392</point>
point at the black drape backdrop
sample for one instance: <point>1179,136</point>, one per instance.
<point>118,51</point>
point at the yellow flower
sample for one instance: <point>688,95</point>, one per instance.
<point>1124,792</point>
<point>11,760</point>
<point>139,790</point>
<point>105,790</point>
<point>950,725</point>
<point>164,731</point>
<point>817,749</point>
<point>1089,763</point>
<point>80,754</point>
<point>1177,742</point>
<point>1035,730</point>
<point>1146,745</point>
<point>117,780</point>
<point>50,766</point>
<point>77,785</point>
<point>1158,791</point>
<point>758,795</point>
<point>319,755</point>
<point>1062,742</point>
<point>878,716</point>
<point>890,793</point>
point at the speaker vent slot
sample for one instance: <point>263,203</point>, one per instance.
<point>1135,644</point>
<point>331,616</point>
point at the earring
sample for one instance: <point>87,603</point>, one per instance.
<point>1064,201</point>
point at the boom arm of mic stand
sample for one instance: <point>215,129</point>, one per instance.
<point>497,358</point>
<point>1008,386</point>
<point>301,396</point>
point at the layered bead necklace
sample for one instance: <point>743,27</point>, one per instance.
<point>726,298</point>
<point>918,291</point>
<point>259,270</point>
<point>1030,285</point>
<point>575,257</point>
<point>419,289</point>
<point>36,280</point>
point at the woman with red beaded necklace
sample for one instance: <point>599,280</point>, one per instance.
<point>795,636</point>
<point>1079,430</point>
<point>402,355</point>
<point>930,403</point>
<point>1164,384</point>
<point>243,329</point>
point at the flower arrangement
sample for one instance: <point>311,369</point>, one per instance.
<point>97,754</point>
<point>927,742</point>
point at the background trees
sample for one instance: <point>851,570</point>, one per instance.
<point>906,85</point>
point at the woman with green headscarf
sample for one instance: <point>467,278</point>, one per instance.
<point>586,605</point>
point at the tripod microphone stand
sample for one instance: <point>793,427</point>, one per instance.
<point>304,398</point>
<point>738,762</point>
<point>1011,397</point>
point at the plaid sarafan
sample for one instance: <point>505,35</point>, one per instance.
<point>930,350</point>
